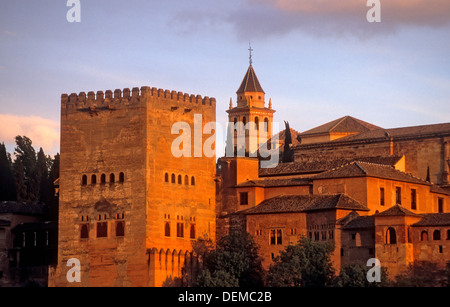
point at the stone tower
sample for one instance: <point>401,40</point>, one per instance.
<point>251,118</point>
<point>129,208</point>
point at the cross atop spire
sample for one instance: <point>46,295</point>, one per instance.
<point>250,51</point>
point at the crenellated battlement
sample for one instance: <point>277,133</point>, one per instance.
<point>128,97</point>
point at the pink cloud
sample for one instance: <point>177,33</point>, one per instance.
<point>334,17</point>
<point>43,132</point>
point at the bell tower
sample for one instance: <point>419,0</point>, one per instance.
<point>251,118</point>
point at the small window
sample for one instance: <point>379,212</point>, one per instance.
<point>186,180</point>
<point>179,179</point>
<point>398,195</point>
<point>84,180</point>
<point>102,229</point>
<point>391,237</point>
<point>93,179</point>
<point>103,179</point>
<point>440,205</point>
<point>244,121</point>
<point>448,234</point>
<point>243,198</point>
<point>192,180</point>
<point>276,237</point>
<point>166,177</point>
<point>257,123</point>
<point>180,230</point>
<point>173,178</point>
<point>120,228</point>
<point>167,229</point>
<point>266,124</point>
<point>112,178</point>
<point>424,236</point>
<point>121,177</point>
<point>413,199</point>
<point>440,249</point>
<point>192,232</point>
<point>436,235</point>
<point>382,197</point>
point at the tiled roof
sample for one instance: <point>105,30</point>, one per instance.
<point>400,132</point>
<point>250,82</point>
<point>344,124</point>
<point>361,222</point>
<point>275,182</point>
<point>323,165</point>
<point>305,203</point>
<point>434,219</point>
<point>364,169</point>
<point>397,210</point>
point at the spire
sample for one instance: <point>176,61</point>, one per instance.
<point>250,51</point>
<point>231,103</point>
<point>250,82</point>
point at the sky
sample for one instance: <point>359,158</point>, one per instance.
<point>318,60</point>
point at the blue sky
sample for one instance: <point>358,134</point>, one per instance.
<point>317,60</point>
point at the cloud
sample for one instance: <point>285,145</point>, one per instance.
<point>260,18</point>
<point>43,132</point>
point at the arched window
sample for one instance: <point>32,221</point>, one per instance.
<point>424,236</point>
<point>257,123</point>
<point>173,178</point>
<point>192,180</point>
<point>266,124</point>
<point>84,180</point>
<point>436,235</point>
<point>186,180</point>
<point>112,178</point>
<point>192,232</point>
<point>84,231</point>
<point>235,124</point>
<point>391,237</point>
<point>179,179</point>
<point>93,179</point>
<point>358,239</point>
<point>244,121</point>
<point>103,179</point>
<point>120,228</point>
<point>166,177</point>
<point>121,177</point>
<point>167,229</point>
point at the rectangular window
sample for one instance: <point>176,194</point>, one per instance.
<point>440,205</point>
<point>102,229</point>
<point>84,231</point>
<point>398,195</point>
<point>120,228</point>
<point>381,196</point>
<point>180,230</point>
<point>243,197</point>
<point>276,237</point>
<point>413,199</point>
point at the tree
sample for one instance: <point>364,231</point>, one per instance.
<point>26,156</point>
<point>233,262</point>
<point>307,264</point>
<point>355,275</point>
<point>424,274</point>
<point>7,185</point>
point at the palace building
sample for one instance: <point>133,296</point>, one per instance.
<point>130,210</point>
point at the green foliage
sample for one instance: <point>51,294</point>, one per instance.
<point>307,264</point>
<point>355,275</point>
<point>424,274</point>
<point>234,262</point>
<point>30,177</point>
<point>7,184</point>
